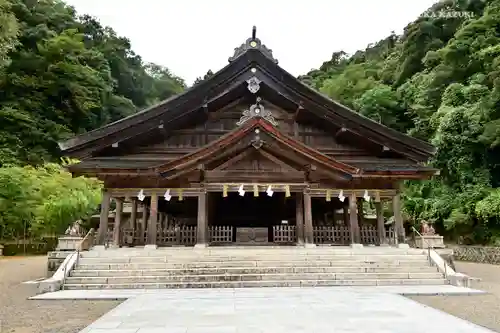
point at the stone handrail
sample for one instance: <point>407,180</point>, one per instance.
<point>55,282</point>
<point>87,241</point>
<point>456,279</point>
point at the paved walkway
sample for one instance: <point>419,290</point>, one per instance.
<point>276,310</point>
<point>115,294</point>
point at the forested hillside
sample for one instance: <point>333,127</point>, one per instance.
<point>439,81</point>
<point>64,74</point>
<point>60,74</point>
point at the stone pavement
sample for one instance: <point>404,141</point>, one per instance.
<point>276,310</point>
<point>118,294</point>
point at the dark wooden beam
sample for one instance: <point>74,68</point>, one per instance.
<point>298,112</point>
<point>253,176</point>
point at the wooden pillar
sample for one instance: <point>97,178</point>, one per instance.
<point>361,213</point>
<point>308,222</point>
<point>153,220</point>
<point>345,208</point>
<point>353,218</point>
<point>103,222</point>
<point>118,222</point>
<point>380,223</point>
<point>201,229</point>
<point>144,223</point>
<point>299,217</point>
<point>133,219</point>
<point>398,219</point>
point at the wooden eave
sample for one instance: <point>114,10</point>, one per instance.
<point>231,77</point>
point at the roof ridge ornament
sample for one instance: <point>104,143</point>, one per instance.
<point>253,43</point>
<point>257,110</point>
<point>253,84</point>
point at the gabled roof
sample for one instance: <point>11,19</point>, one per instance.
<point>256,133</point>
<point>252,59</point>
<point>255,129</point>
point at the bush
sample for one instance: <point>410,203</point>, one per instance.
<point>43,200</point>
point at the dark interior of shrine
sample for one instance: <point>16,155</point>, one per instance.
<point>250,211</point>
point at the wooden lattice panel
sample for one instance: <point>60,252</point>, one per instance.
<point>187,235</point>
<point>221,234</point>
<point>369,235</point>
<point>339,235</point>
<point>284,234</point>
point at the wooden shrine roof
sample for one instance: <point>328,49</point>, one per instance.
<point>251,60</point>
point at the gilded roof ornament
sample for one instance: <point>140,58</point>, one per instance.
<point>253,84</point>
<point>257,110</point>
<point>253,43</point>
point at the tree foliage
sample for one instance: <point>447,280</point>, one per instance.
<point>439,81</point>
<point>43,200</point>
<point>65,74</point>
<point>60,74</point>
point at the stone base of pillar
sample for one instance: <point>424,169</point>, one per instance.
<point>150,247</point>
<point>357,246</point>
<point>200,245</point>
<point>309,245</point>
<point>99,248</point>
<point>403,246</point>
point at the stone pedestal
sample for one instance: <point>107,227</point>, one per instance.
<point>1,250</point>
<point>54,260</point>
<point>68,243</point>
<point>423,242</point>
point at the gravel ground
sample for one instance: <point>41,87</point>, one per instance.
<point>482,310</point>
<point>20,315</point>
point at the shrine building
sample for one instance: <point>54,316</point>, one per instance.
<point>250,155</point>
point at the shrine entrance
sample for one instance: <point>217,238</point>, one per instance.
<point>249,219</point>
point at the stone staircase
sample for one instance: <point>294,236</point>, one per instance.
<point>231,267</point>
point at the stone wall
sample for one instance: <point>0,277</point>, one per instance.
<point>485,255</point>
<point>54,260</point>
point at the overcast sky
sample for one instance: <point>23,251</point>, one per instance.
<point>192,36</point>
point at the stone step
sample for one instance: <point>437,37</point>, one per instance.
<point>248,252</point>
<point>227,264</point>
<point>201,259</point>
<point>247,270</point>
<point>251,277</point>
<point>258,284</point>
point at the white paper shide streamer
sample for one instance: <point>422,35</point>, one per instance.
<point>269,191</point>
<point>141,195</point>
<point>241,191</point>
<point>167,195</point>
<point>341,196</point>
